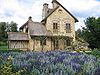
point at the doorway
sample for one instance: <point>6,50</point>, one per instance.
<point>56,44</point>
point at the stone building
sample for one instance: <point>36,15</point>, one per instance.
<point>55,31</point>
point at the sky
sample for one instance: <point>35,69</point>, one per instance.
<point>19,10</point>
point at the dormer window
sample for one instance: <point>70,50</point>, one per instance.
<point>68,28</point>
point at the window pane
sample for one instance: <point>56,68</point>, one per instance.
<point>68,26</point>
<point>55,26</point>
<point>68,43</point>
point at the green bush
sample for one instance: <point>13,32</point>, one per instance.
<point>77,50</point>
<point>7,69</point>
<point>96,52</point>
<point>3,43</point>
<point>3,48</point>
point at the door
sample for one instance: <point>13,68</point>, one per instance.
<point>56,44</point>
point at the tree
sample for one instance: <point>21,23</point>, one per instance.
<point>3,33</point>
<point>79,33</point>
<point>13,27</point>
<point>4,28</point>
<point>91,33</point>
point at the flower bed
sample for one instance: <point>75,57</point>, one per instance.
<point>54,63</point>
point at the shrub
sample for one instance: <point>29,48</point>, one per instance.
<point>3,43</point>
<point>53,63</point>
<point>6,68</point>
<point>77,50</point>
<point>96,52</point>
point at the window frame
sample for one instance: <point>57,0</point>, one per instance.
<point>55,26</point>
<point>68,42</point>
<point>68,27</point>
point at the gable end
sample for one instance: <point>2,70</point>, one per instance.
<point>76,20</point>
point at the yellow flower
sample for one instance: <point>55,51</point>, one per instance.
<point>10,58</point>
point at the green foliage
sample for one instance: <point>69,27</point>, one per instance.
<point>79,33</point>
<point>4,28</point>
<point>6,67</point>
<point>91,33</point>
<point>13,50</point>
<point>3,48</point>
<point>48,63</point>
<point>13,26</point>
<point>77,50</point>
<point>2,43</point>
<point>96,52</point>
<point>3,34</point>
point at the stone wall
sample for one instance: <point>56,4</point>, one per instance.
<point>61,17</point>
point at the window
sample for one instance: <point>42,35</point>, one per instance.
<point>43,42</point>
<point>55,26</point>
<point>26,30</point>
<point>68,42</point>
<point>60,11</point>
<point>68,27</point>
<point>56,44</point>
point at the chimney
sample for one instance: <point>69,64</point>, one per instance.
<point>30,18</point>
<point>54,3</point>
<point>44,10</point>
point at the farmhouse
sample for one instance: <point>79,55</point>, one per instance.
<point>55,31</point>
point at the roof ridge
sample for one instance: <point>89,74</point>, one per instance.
<point>16,33</point>
<point>63,8</point>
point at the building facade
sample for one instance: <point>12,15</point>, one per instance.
<point>55,31</point>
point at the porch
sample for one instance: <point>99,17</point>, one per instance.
<point>47,43</point>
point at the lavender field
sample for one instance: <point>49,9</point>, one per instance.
<point>53,63</point>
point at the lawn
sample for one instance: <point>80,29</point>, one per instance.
<point>3,47</point>
<point>53,63</point>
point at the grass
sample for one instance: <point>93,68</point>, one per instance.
<point>95,52</point>
<point>3,47</point>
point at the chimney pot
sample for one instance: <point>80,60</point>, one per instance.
<point>30,18</point>
<point>45,4</point>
